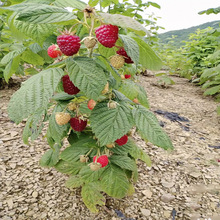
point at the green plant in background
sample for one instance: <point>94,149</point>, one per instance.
<point>88,95</point>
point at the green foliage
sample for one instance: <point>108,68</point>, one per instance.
<point>116,111</point>
<point>210,11</point>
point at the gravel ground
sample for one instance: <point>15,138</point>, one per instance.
<point>182,184</point>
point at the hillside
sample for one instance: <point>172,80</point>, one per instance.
<point>184,33</point>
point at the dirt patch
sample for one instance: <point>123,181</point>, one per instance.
<point>182,184</point>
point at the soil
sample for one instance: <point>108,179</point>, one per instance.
<point>181,184</point>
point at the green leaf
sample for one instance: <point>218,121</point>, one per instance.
<point>93,3</point>
<point>124,22</point>
<point>57,132</point>
<point>131,47</point>
<point>81,146</point>
<point>124,162</point>
<point>69,167</point>
<point>213,90</point>
<point>124,150</point>
<point>148,58</point>
<point>46,15</point>
<point>70,3</point>
<point>91,196</point>
<point>114,182</point>
<point>87,76</point>
<point>149,128</point>
<point>138,153</point>
<point>11,55</point>
<point>62,96</point>
<point>35,93</point>
<point>90,176</point>
<point>33,126</point>
<point>29,57</point>
<point>105,51</point>
<point>132,90</point>
<point>74,182</point>
<point>11,68</point>
<point>51,157</point>
<point>110,124</point>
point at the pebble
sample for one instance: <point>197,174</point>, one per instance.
<point>145,212</point>
<point>35,194</point>
<point>167,198</point>
<point>167,214</point>
<point>147,193</point>
<point>10,203</point>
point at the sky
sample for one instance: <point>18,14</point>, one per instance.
<point>181,14</point>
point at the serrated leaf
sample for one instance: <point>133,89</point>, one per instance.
<point>11,68</point>
<point>70,3</point>
<point>124,22</point>
<point>114,182</point>
<point>132,90</point>
<point>121,150</point>
<point>74,182</point>
<point>149,128</point>
<point>131,47</point>
<point>213,90</point>
<point>79,147</point>
<point>69,167</point>
<point>87,76</point>
<point>91,196</point>
<point>123,161</point>
<point>93,3</point>
<point>57,132</point>
<point>89,175</point>
<point>138,153</point>
<point>62,96</point>
<point>131,190</point>
<point>30,57</point>
<point>35,93</point>
<point>33,126</point>
<point>110,124</point>
<point>11,55</point>
<point>51,157</point>
<point>148,58</point>
<point>105,51</point>
<point>45,15</point>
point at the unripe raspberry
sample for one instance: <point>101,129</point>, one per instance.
<point>122,77</point>
<point>117,61</point>
<point>72,106</point>
<point>112,145</point>
<point>90,42</point>
<point>112,104</point>
<point>83,159</point>
<point>95,166</point>
<point>106,89</point>
<point>136,101</point>
<point>62,118</point>
<point>91,104</point>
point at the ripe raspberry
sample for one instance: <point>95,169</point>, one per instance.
<point>53,51</point>
<point>62,118</point>
<point>107,35</point>
<point>123,140</point>
<point>91,104</point>
<point>103,160</point>
<point>68,44</point>
<point>117,61</point>
<point>95,166</point>
<point>68,86</point>
<point>90,42</point>
<point>78,124</point>
<point>127,76</point>
<point>123,53</point>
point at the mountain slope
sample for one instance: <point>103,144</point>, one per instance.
<point>183,34</point>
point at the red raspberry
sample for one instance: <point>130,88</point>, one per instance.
<point>103,160</point>
<point>91,104</point>
<point>78,124</point>
<point>127,76</point>
<point>107,35</point>
<point>68,86</point>
<point>53,51</point>
<point>123,53</point>
<point>68,44</point>
<point>123,140</point>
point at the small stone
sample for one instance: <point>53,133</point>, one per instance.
<point>35,194</point>
<point>146,212</point>
<point>167,214</point>
<point>12,165</point>
<point>167,197</point>
<point>195,174</point>
<point>167,184</point>
<point>10,203</point>
<point>193,206</point>
<point>147,193</point>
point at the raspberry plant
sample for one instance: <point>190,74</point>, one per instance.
<point>101,155</point>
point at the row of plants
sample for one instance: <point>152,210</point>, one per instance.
<point>87,93</point>
<point>198,60</point>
